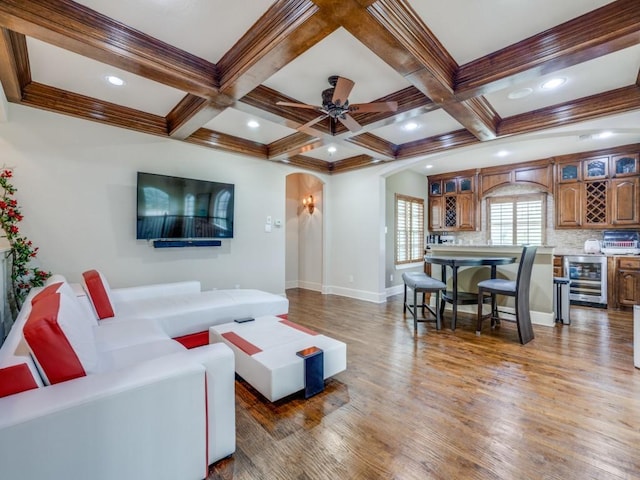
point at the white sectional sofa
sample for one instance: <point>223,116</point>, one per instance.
<point>84,397</point>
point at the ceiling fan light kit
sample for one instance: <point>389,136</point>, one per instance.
<point>335,105</point>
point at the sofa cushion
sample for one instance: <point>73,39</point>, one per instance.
<point>180,315</point>
<point>134,331</point>
<point>15,379</point>
<point>126,357</point>
<point>61,341</point>
<point>99,293</point>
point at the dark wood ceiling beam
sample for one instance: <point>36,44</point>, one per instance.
<point>87,108</point>
<point>436,68</point>
<point>286,30</point>
<point>292,145</point>
<point>608,29</point>
<point>625,99</point>
<point>228,143</point>
<point>272,42</point>
<point>438,143</point>
<point>353,163</point>
<point>74,27</point>
<point>307,163</point>
<point>375,144</point>
<point>407,28</point>
<point>14,64</point>
<point>191,114</point>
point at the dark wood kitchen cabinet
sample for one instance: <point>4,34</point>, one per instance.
<point>625,201</point>
<point>453,202</point>
<point>569,205</point>
<point>599,191</point>
<point>627,281</point>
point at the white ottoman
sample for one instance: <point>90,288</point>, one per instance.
<point>265,353</point>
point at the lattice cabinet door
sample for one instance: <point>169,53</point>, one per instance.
<point>595,203</point>
<point>450,212</point>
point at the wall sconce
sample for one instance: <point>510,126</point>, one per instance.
<point>307,203</point>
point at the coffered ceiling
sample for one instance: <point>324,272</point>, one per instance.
<point>200,70</point>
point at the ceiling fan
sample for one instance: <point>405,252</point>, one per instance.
<point>335,105</point>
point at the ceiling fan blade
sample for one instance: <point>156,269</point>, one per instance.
<point>374,107</point>
<point>298,105</point>
<point>342,91</point>
<point>349,122</point>
<point>312,122</point>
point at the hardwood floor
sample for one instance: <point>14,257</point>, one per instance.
<point>449,405</point>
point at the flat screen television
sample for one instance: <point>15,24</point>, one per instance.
<point>183,208</point>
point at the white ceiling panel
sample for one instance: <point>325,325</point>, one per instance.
<point>234,122</point>
<point>616,70</point>
<point>68,71</point>
<point>469,29</point>
<point>341,54</point>
<point>342,152</point>
<point>427,125</point>
<point>206,28</point>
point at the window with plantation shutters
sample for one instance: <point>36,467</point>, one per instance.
<point>409,229</point>
<point>516,220</point>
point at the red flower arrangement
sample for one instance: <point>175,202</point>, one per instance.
<point>23,277</point>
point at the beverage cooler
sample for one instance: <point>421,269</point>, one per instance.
<point>587,279</point>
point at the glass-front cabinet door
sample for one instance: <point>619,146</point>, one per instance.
<point>466,185</point>
<point>435,188</point>
<point>450,186</point>
<point>569,172</point>
<point>596,168</point>
<point>624,165</point>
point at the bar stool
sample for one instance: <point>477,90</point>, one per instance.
<point>558,283</point>
<point>422,283</point>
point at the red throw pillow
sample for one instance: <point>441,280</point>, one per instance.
<point>60,340</point>
<point>98,290</point>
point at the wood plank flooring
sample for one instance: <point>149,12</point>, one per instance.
<point>449,405</point>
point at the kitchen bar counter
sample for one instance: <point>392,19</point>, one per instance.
<point>541,299</point>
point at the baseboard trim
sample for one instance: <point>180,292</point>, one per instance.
<point>355,294</point>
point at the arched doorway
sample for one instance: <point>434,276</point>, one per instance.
<point>304,232</point>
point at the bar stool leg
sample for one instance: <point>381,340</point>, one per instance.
<point>404,308</point>
<point>415,311</point>
<point>438,317</point>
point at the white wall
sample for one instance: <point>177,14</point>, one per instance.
<point>409,183</point>
<point>76,185</point>
<point>355,243</point>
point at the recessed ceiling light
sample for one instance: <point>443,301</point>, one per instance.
<point>410,126</point>
<point>553,83</point>
<point>428,166</point>
<point>502,153</point>
<point>113,80</point>
<point>523,92</point>
<point>605,134</point>
<point>332,149</point>
<point>252,124</point>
